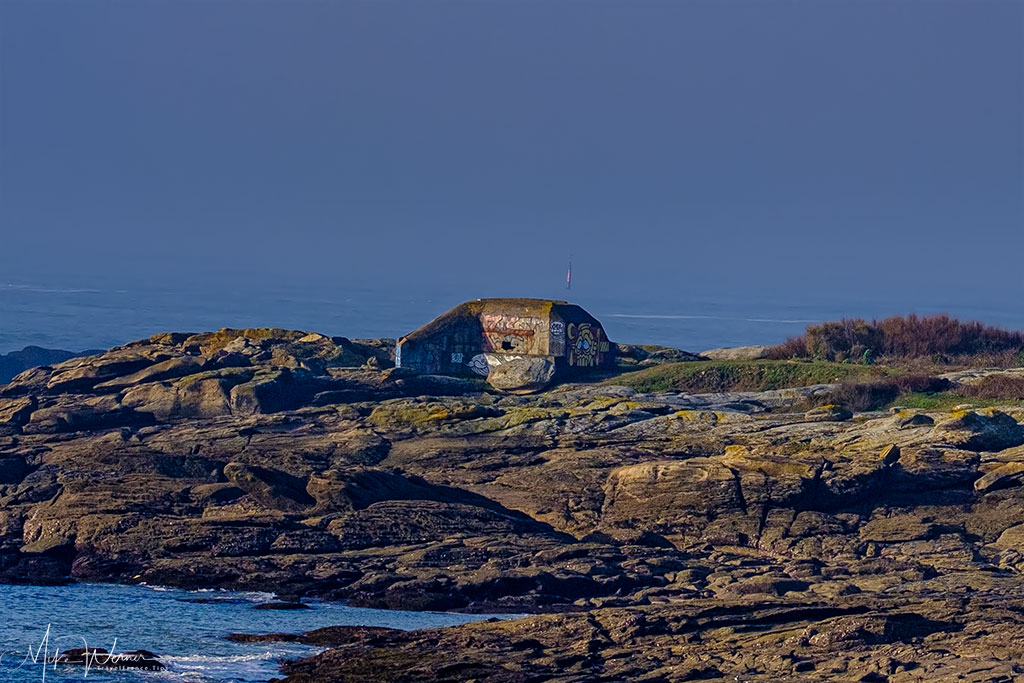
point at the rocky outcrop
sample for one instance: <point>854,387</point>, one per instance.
<point>270,488</point>
<point>736,533</point>
<point>756,352</point>
<point>780,639</point>
<point>651,354</point>
<point>987,430</point>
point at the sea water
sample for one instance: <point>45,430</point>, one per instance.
<point>186,629</point>
<point>78,312</point>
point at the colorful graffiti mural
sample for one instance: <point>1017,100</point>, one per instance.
<point>586,346</point>
<point>513,333</point>
<point>479,364</point>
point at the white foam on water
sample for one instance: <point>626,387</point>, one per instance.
<point>251,596</point>
<point>223,659</point>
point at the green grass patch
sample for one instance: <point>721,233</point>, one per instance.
<point>947,401</point>
<point>749,375</point>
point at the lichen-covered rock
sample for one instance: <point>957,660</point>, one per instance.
<point>985,430</point>
<point>202,395</point>
<point>829,413</point>
<point>754,352</point>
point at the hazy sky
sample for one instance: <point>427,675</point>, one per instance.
<point>707,146</point>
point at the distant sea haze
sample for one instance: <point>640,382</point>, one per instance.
<point>79,314</point>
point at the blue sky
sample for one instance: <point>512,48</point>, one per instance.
<point>777,148</point>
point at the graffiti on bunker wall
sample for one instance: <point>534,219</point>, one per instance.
<point>513,333</point>
<point>479,365</point>
<point>557,343</point>
<point>586,345</point>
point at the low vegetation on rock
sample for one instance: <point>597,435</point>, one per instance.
<point>939,339</point>
<point>743,375</point>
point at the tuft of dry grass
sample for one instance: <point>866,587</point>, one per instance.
<point>872,395</point>
<point>995,387</point>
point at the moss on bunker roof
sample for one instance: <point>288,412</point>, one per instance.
<point>470,312</point>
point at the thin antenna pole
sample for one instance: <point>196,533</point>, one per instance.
<point>568,275</point>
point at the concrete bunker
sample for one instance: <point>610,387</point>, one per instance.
<point>481,336</point>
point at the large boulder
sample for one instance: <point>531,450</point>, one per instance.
<point>274,390</point>
<point>522,375</point>
<point>983,430</point>
<point>31,381</point>
<point>202,395</point>
<point>756,352</point>
<point>658,495</point>
<point>1006,475</point>
<point>932,468</point>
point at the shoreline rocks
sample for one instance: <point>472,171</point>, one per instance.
<point>783,542</point>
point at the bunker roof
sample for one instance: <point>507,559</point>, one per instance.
<point>470,312</point>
